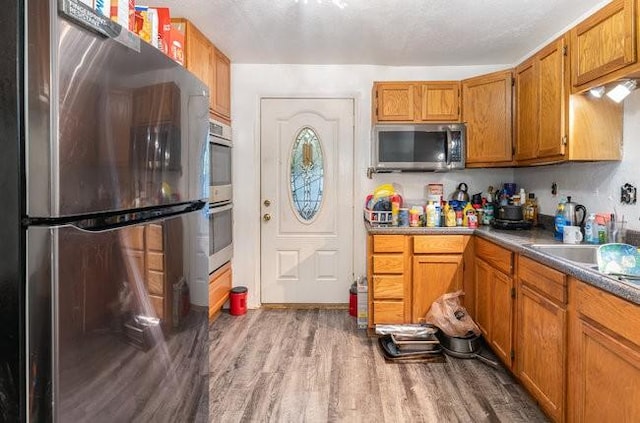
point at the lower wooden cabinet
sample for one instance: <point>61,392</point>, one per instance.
<point>219,287</point>
<point>604,357</point>
<point>494,297</point>
<point>433,275</point>
<point>541,335</point>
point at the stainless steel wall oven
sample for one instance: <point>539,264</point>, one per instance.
<point>220,144</point>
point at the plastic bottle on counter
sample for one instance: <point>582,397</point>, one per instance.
<point>431,215</point>
<point>559,221</point>
<point>395,207</point>
<point>590,230</point>
<point>449,216</point>
<point>465,213</point>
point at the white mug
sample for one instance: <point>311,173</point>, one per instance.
<point>571,235</point>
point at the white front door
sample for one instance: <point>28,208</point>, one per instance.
<point>306,148</point>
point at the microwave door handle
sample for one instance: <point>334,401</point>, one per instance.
<point>448,149</point>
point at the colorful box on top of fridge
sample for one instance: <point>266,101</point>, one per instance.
<point>176,49</point>
<point>122,12</point>
<point>164,29</point>
<point>103,7</point>
<point>146,24</point>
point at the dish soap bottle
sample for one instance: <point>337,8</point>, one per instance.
<point>559,221</point>
<point>591,230</point>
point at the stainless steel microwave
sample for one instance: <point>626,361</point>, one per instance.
<point>422,147</point>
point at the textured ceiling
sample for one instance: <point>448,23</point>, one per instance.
<point>380,32</point>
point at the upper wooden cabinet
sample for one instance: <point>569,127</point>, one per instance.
<point>436,101</point>
<point>486,109</point>
<point>220,102</point>
<point>541,105</point>
<point>209,64</point>
<point>604,44</point>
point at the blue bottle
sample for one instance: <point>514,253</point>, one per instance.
<point>559,221</point>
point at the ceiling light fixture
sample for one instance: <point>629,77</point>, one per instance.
<point>597,92</point>
<point>622,90</point>
<point>340,3</point>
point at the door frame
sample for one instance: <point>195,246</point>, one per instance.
<point>354,102</point>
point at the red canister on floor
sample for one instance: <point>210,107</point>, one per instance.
<point>353,300</point>
<point>238,301</point>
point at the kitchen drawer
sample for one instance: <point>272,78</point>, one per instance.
<point>134,237</point>
<point>498,257</point>
<point>155,282</point>
<point>387,286</point>
<point>388,312</point>
<point>388,243</point>
<point>541,278</point>
<point>615,314</point>
<point>154,237</point>
<point>155,261</point>
<point>438,244</point>
<point>388,263</point>
<point>219,287</point>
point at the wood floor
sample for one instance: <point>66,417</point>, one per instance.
<point>315,366</point>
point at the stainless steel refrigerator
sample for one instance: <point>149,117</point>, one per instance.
<point>102,176</point>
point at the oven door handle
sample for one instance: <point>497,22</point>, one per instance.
<point>213,209</point>
<point>220,141</point>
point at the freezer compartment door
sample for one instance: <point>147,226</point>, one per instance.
<point>109,318</point>
<point>111,126</point>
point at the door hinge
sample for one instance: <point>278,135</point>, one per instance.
<point>565,50</point>
<point>564,140</point>
<point>513,292</point>
<point>513,81</point>
<point>513,354</point>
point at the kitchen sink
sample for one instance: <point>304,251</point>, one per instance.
<point>577,253</point>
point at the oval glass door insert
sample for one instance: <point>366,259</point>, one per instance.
<point>307,174</point>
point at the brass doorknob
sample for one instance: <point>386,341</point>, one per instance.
<point>266,217</point>
<point>267,203</point>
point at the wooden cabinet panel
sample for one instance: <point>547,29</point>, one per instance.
<point>198,54</point>
<point>607,378</point>
<point>440,101</point>
<point>221,96</point>
<point>219,286</point>
<point>439,244</point>
<point>158,304</point>
<point>542,102</point>
<point>388,263</point>
<point>553,100</point>
<point>395,102</point>
<point>483,273</point>
<point>388,312</point>
<point>156,103</point>
<point>136,259</point>
<point>540,350</point>
<point>603,43</point>
<point>496,256</point>
<point>487,111</point>
<point>389,243</point>
<point>543,279</point>
<point>618,315</point>
<point>433,275</point>
<point>502,316</point>
<point>527,108</point>
<point>388,287</point>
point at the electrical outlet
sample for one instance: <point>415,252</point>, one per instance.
<point>554,188</point>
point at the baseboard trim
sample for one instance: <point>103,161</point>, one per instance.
<point>305,306</point>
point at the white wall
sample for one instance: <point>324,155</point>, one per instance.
<point>251,82</point>
<point>595,185</point>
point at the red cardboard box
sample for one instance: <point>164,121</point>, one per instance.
<point>176,51</point>
<point>164,29</point>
